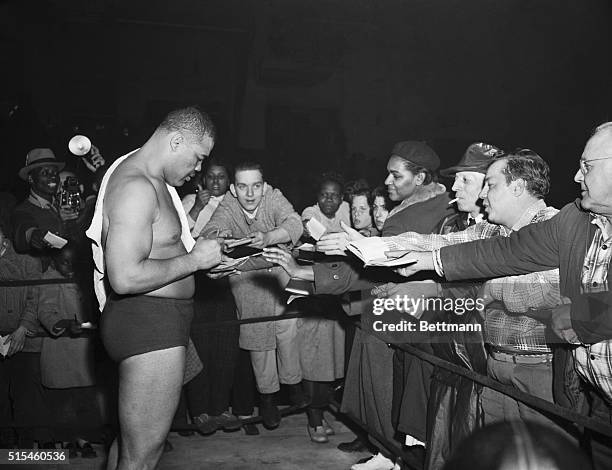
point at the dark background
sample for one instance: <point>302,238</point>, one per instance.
<point>309,85</point>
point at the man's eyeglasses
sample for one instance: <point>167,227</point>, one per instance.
<point>585,164</point>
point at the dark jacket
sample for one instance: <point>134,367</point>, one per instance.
<point>411,376</point>
<point>561,242</point>
<point>454,408</point>
<point>27,216</point>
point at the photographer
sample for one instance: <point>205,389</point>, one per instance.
<point>37,216</point>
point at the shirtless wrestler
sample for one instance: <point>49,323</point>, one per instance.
<point>145,322</point>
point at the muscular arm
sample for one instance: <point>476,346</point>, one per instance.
<point>132,209</point>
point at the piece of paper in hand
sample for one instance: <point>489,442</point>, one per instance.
<point>371,250</point>
<point>315,228</point>
<point>4,347</point>
<point>55,241</point>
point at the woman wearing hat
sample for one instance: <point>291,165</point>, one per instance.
<point>373,371</point>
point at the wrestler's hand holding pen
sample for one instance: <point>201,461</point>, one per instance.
<point>207,253</point>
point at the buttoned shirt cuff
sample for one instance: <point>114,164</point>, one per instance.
<point>437,262</point>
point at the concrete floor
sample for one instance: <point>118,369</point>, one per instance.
<point>286,448</point>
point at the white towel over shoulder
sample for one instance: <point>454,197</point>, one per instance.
<point>94,232</point>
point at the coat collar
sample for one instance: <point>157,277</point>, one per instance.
<point>424,194</point>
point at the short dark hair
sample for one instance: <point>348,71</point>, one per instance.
<point>248,165</point>
<point>527,165</point>
<point>355,185</point>
<point>211,161</point>
<point>362,192</point>
<point>330,177</point>
<point>192,120</point>
<point>430,176</point>
<point>381,191</point>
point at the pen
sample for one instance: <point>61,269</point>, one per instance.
<point>396,253</point>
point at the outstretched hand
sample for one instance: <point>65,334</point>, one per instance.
<point>286,260</point>
<point>283,258</point>
<point>424,262</point>
<point>335,243</point>
<point>37,239</point>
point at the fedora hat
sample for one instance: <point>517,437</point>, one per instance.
<point>477,158</point>
<point>37,158</point>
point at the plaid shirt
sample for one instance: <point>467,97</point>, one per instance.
<point>594,362</point>
<point>430,242</point>
<point>519,294</point>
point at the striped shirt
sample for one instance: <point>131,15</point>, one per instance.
<point>594,362</point>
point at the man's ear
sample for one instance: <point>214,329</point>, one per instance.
<point>176,139</point>
<point>420,177</point>
<point>519,187</point>
<point>265,188</point>
<point>30,179</point>
<point>233,190</point>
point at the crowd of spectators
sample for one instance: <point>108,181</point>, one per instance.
<point>534,331</point>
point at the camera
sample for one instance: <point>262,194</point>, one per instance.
<point>70,194</point>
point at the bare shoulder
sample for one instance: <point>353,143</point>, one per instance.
<point>129,192</point>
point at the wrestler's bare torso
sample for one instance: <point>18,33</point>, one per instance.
<point>164,240</point>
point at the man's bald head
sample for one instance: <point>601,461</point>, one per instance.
<point>605,127</point>
<point>595,172</point>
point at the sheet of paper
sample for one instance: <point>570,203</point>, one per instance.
<point>315,228</point>
<point>372,252</point>
<point>55,241</point>
<point>228,264</point>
